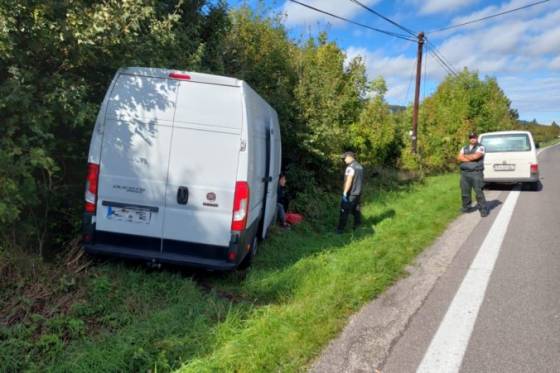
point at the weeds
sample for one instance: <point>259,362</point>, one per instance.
<point>120,316</point>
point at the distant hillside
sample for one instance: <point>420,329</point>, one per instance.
<point>542,133</point>
<point>397,108</point>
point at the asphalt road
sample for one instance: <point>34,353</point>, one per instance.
<point>516,325</point>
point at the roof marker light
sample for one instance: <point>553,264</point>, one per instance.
<point>180,76</point>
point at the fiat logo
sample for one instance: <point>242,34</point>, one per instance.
<point>211,196</point>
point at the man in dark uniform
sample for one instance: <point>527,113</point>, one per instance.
<point>351,192</point>
<point>472,166</point>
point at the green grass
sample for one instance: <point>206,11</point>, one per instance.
<point>298,295</point>
<point>544,144</point>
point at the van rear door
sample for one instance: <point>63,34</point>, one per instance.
<point>135,157</point>
<point>203,166</point>
<point>272,173</point>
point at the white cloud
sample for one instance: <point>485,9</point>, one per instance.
<point>398,72</point>
<point>503,38</point>
<point>299,15</point>
<point>510,45</point>
<point>443,6</point>
<point>548,42</point>
<point>532,94</point>
<point>520,49</point>
<point>519,15</point>
<point>555,63</point>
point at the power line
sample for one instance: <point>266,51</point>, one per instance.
<point>449,67</point>
<point>442,63</point>
<point>441,59</point>
<point>393,34</point>
<point>425,71</point>
<point>385,18</point>
<point>488,17</point>
<point>410,81</point>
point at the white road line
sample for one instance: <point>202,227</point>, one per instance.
<point>446,351</point>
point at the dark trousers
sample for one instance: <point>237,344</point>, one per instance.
<point>352,206</point>
<point>281,213</point>
<point>472,180</point>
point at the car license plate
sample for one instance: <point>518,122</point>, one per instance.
<point>131,215</point>
<point>504,167</point>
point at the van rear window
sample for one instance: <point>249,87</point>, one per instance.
<point>506,143</point>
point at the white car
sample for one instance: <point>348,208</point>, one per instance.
<point>183,168</point>
<point>510,157</point>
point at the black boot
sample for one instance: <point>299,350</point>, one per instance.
<point>466,209</point>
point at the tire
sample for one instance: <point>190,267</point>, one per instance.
<point>248,260</point>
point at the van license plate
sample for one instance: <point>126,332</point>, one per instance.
<point>131,215</point>
<point>504,167</point>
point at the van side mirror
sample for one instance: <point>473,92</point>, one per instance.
<point>537,145</point>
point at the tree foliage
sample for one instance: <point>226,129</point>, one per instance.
<point>57,59</point>
<point>460,104</point>
<point>376,135</point>
<point>541,133</point>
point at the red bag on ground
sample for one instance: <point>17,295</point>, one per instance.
<point>293,218</point>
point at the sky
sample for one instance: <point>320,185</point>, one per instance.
<point>521,50</point>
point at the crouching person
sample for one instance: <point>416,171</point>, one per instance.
<point>282,201</point>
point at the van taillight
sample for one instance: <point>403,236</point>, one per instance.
<point>534,168</point>
<point>180,76</point>
<point>240,206</point>
<point>92,181</point>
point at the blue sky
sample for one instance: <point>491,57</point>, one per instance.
<point>522,49</point>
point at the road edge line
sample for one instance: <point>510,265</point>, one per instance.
<point>448,346</point>
<point>366,341</point>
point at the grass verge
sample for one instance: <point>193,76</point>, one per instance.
<point>554,141</point>
<point>303,286</point>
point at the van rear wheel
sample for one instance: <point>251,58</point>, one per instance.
<point>246,262</point>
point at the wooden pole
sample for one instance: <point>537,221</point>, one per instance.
<point>417,92</point>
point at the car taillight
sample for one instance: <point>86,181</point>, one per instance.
<point>92,181</point>
<point>240,206</point>
<point>534,168</point>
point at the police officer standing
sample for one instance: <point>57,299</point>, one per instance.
<point>351,192</point>
<point>471,157</point>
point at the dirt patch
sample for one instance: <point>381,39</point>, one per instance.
<point>30,287</point>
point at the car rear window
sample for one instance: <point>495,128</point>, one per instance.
<point>506,143</point>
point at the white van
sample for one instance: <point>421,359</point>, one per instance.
<point>510,157</point>
<point>183,168</point>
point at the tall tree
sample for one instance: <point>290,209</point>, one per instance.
<point>375,135</point>
<point>460,104</point>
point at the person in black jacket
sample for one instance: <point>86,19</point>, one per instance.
<point>282,201</point>
<point>351,192</point>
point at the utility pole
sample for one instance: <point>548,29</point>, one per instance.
<point>417,92</point>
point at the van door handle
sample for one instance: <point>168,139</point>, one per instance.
<point>267,179</point>
<point>182,195</point>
